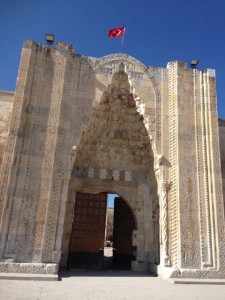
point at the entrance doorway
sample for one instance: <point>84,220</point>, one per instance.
<point>123,226</point>
<point>90,246</point>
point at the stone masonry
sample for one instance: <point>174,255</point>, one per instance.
<point>6,104</point>
<point>150,135</point>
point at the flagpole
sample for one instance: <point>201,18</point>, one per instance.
<point>122,44</point>
<point>123,37</point>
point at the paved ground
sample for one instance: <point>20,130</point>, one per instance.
<point>110,285</point>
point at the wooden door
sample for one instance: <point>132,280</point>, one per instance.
<point>88,231</point>
<point>124,224</point>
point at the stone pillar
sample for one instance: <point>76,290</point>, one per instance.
<point>163,202</point>
<point>61,157</point>
<point>20,177</point>
<point>196,218</point>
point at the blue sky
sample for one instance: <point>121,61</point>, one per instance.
<point>157,31</point>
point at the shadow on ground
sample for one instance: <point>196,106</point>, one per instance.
<point>63,273</point>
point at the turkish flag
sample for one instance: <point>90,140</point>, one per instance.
<point>116,32</point>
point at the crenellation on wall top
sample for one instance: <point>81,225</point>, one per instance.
<point>211,72</point>
<point>33,45</point>
<point>69,49</point>
<point>29,44</point>
<point>60,46</point>
<point>179,64</point>
<point>66,47</point>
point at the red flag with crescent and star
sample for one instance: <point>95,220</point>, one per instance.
<point>116,32</point>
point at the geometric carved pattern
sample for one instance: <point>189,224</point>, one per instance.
<point>197,95</point>
<point>205,202</point>
<point>187,173</point>
<point>173,160</point>
<point>19,153</point>
<point>48,167</point>
<point>57,202</point>
<point>107,174</point>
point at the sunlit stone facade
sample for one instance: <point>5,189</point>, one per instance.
<point>88,125</point>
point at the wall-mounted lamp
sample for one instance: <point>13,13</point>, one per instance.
<point>194,63</point>
<point>49,38</point>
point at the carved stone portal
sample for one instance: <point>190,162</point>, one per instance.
<point>88,125</point>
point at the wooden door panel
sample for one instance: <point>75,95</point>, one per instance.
<point>88,231</point>
<point>123,226</point>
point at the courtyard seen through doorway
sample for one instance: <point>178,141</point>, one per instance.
<point>101,237</point>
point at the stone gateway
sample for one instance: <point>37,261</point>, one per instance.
<point>79,127</point>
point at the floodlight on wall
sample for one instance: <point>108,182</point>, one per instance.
<point>194,63</point>
<point>49,38</point>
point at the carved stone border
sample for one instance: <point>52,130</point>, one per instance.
<point>173,140</point>
<point>94,65</point>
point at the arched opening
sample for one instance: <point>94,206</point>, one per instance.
<point>115,154</point>
<point>88,248</point>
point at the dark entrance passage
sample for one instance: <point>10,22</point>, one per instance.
<point>87,246</point>
<point>124,224</point>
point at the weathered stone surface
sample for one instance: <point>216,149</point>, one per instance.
<point>6,104</point>
<point>222,152</point>
<point>82,124</point>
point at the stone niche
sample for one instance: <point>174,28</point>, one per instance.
<point>88,125</point>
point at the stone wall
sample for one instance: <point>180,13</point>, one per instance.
<point>6,105</point>
<point>222,152</point>
<point>148,134</point>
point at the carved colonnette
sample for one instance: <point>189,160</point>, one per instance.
<point>209,175</point>
<point>164,234</point>
<point>214,205</point>
<point>173,140</point>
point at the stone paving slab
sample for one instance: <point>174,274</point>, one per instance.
<point>197,281</point>
<point>19,276</point>
<point>110,285</point>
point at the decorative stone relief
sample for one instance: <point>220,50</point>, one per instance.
<point>116,150</point>
<point>165,260</point>
<point>136,76</point>
<point>48,164</point>
<point>8,157</point>
<point>173,204</point>
<point>117,121</point>
<point>112,142</point>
